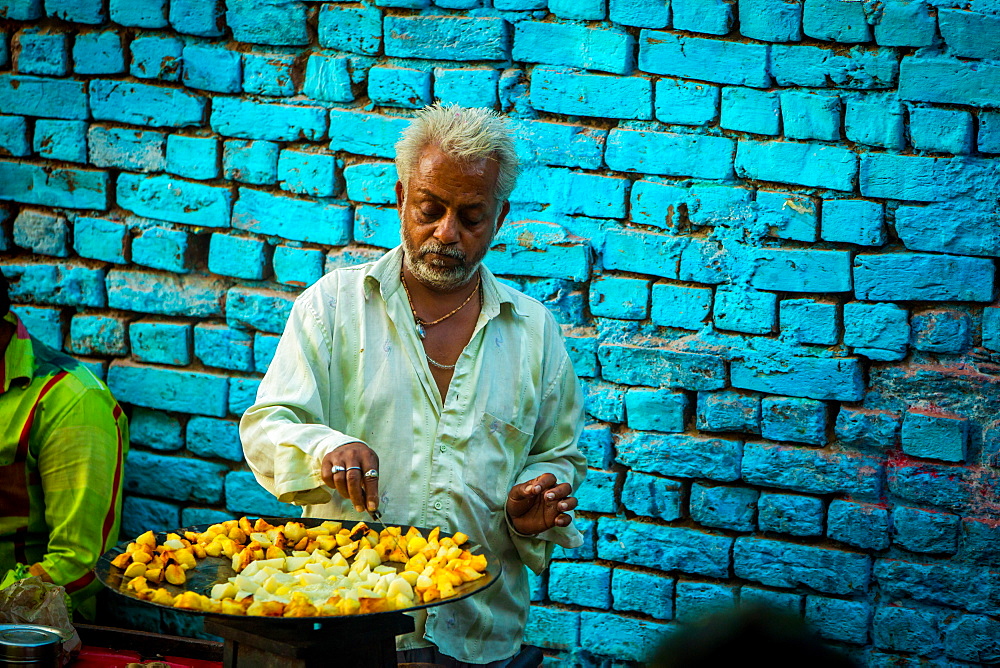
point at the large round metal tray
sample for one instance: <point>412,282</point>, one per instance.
<point>214,570</point>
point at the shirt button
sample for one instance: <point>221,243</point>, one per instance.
<point>444,448</point>
<point>438,505</point>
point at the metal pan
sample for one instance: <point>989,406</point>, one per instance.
<point>215,570</point>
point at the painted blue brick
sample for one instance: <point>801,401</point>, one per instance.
<point>715,204</point>
<point>581,345</point>
<point>935,435</point>
<point>724,507</point>
<point>626,638</point>
<point>195,296</point>
<point>750,110</point>
<point>653,496</point>
<point>606,196</point>
<point>350,257</point>
<point>686,102</point>
<point>941,130</point>
<point>989,132</point>
<point>714,17</point>
<point>98,52</point>
<point>264,310</point>
<point>941,331</point>
<point>566,91</point>
<point>867,428</point>
<point>56,283</point>
<point>264,346</point>
<point>365,134</point>
<point>656,410</point>
<point>240,257</point>
<point>906,629</point>
<point>619,297</point>
<point>145,104</point>
<point>857,68</point>
<point>586,551</point>
<point>42,232</point>
<point>353,29</point>
<point>308,173</point>
<point>640,13</point>
<point>574,46</point>
<point>53,186</point>
<point>835,21</point>
<point>921,179</point>
<point>567,261</point>
<point>140,515</point>
<point>774,600</point>
<point>793,270</point>
<point>680,306</point>
<point>907,23</point>
<point>14,136</point>
<point>155,429</point>
<point>788,216</point>
<point>169,389</point>
<point>43,52</point>
<point>181,479</point>
<point>811,470</point>
<point>198,516</point>
<point>268,73</point>
<point>77,11</point>
<point>41,96</point>
<point>100,239</point>
<point>970,34</point>
<point>876,121</point>
<point>658,204</point>
<point>249,119</point>
<point>771,21</point>
<point>327,78</point>
<point>955,585</point>
<point>552,628</point>
<point>193,157</point>
<point>399,87</point>
<point>921,530</point>
<point>161,342</point>
<point>728,411</point>
<point>704,59</point>
<point>97,335</point>
<point>878,331</point>
<point>860,524</point>
<point>991,328</point>
<point>580,584</point>
<point>681,455</point>
<point>376,226</point>
<point>467,87</point>
<point>782,564</point>
<point>197,17</point>
<point>446,37</point>
<point>810,115</point>
<point>245,496</point>
<point>799,163</point>
<point>272,22</point>
<point>21,10</point>
<point>156,57</point>
<point>663,548</point>
<point>300,267</point>
<point>324,222</point>
<point>635,591</point>
<point>747,311</point>
<point>45,324</point>
<point>839,620</point>
<point>61,140</point>
<point>151,14</point>
<point>372,182</point>
<point>890,276</point>
<point>854,221</point>
<point>219,346</point>
<point>670,154</point>
<point>596,445</point>
<point>597,493</point>
<point>162,248</point>
<point>656,367</point>
<point>973,638</point>
<point>809,321</point>
<point>937,226</point>
<point>250,161</point>
<point>793,419</point>
<point>791,514</point>
<point>587,10</point>
<point>212,67</point>
<point>167,198</point>
<point>242,394</point>
<point>696,600</point>
<point>125,148</point>
<point>604,401</point>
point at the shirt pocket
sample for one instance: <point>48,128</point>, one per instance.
<point>494,455</point>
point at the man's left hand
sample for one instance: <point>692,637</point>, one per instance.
<point>540,504</point>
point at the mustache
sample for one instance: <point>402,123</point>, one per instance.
<point>438,248</point>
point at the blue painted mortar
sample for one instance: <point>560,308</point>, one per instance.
<point>769,229</point>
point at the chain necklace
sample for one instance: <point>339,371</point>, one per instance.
<point>420,324</point>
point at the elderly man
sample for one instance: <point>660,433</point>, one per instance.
<point>62,448</point>
<point>421,385</point>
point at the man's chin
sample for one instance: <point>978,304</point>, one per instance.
<point>443,277</point>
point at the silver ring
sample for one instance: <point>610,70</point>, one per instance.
<point>337,469</point>
<point>353,468</point>
<point>371,473</point>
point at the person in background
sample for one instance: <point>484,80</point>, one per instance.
<point>62,450</point>
<point>421,385</point>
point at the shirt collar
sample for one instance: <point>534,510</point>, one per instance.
<point>384,274</point>
<point>19,358</point>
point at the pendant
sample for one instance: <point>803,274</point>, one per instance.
<point>421,332</point>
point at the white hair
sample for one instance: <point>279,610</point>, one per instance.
<point>466,134</point>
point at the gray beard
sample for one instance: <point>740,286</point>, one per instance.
<point>434,275</point>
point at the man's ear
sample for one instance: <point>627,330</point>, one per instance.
<point>399,197</point>
<point>504,210</point>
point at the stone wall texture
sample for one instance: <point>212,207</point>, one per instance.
<point>769,227</point>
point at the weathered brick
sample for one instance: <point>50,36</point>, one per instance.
<point>635,591</point>
<point>245,496</point>
<point>446,37</point>
<point>193,157</point>
<point>167,198</point>
<point>724,507</point>
<point>580,584</point>
<point>663,548</point>
<point>814,377</point>
<point>935,435</point>
<point>273,22</point>
<point>59,282</point>
<point>793,419</point>
<point>973,638</point>
<point>860,524</point>
<point>670,154</point>
<point>659,367</point>
<point>43,52</point>
<point>558,143</point>
<point>176,478</point>
<point>42,232</point>
<point>77,11</point>
<point>242,395</point>
<point>742,310</point>
<point>681,455</point>
<point>686,102</point>
<point>156,57</point>
<point>325,222</point>
<point>373,182</point>
<point>921,530</point>
<point>147,15</point>
<point>697,600</point>
<point>597,493</point>
<point>809,321</point>
<point>155,429</point>
<point>704,59</point>
<point>552,628</point>
<point>975,588</point>
<point>269,73</point>
<point>97,335</point>
<point>604,401</point>
<point>145,104</point>
<point>215,345</point>
<point>552,253</point>
<point>781,564</point>
<point>197,17</point>
<point>728,411</point>
<point>134,150</point>
<point>377,226</point>
<point>250,161</point>
<point>894,276</point>
<point>169,389</point>
<point>162,248</point>
<point>867,428</point>
<point>195,296</point>
<point>857,67</point>
<point>936,227</point>
<point>254,308</point>
<point>627,638</point>
<point>949,80</point>
<point>811,470</point>
<point>467,86</point>
<point>941,130</point>
<point>248,119</point>
<point>652,496</point>
<point>878,331</point>
<point>641,13</point>
<point>800,163</point>
<point>680,306</point>
<point>140,515</point>
<point>791,514</point>
<point>839,620</point>
<point>771,21</point>
<point>574,46</point>
<point>365,134</point>
<point>905,23</point>
<point>45,324</point>
<point>61,140</point>
<point>354,29</point>
<point>853,221</point>
<point>566,91</point>
<point>212,67</point>
<point>750,110</point>
<point>161,342</point>
<point>906,629</point>
<point>264,346</point>
<point>54,186</point>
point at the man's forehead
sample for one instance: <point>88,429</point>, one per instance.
<point>433,159</point>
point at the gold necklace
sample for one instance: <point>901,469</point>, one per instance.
<point>420,324</point>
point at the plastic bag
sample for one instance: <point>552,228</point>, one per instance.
<point>33,601</point>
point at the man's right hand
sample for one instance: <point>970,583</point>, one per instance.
<point>344,469</point>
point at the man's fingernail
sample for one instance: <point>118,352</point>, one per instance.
<point>550,496</point>
<point>537,489</point>
<point>359,508</point>
<point>562,506</point>
<point>371,505</point>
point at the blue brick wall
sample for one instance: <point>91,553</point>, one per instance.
<point>768,228</point>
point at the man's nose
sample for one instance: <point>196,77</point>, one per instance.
<point>447,228</point>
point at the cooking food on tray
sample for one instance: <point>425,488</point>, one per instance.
<point>290,570</point>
